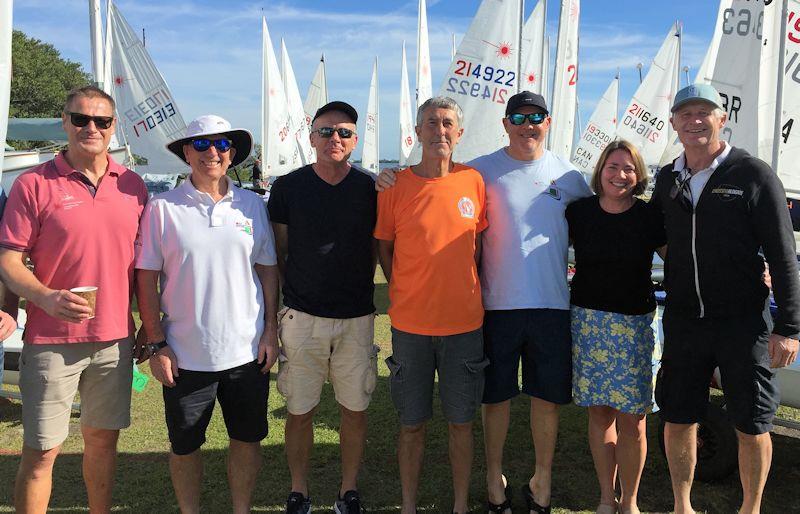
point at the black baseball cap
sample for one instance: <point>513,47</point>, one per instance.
<point>342,107</point>
<point>526,99</point>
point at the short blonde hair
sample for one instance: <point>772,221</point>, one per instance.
<point>638,163</point>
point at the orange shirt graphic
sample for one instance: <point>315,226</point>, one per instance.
<point>434,288</point>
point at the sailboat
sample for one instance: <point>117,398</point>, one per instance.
<point>600,130</point>
<point>407,134</point>
<point>317,95</point>
<point>370,150</point>
<point>534,55</point>
<point>565,85</point>
<point>424,84</point>
<point>296,110</point>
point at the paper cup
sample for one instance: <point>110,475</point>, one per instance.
<point>89,293</point>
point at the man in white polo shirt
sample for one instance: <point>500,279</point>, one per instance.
<point>211,247</point>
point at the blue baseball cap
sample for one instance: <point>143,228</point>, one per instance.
<point>701,92</point>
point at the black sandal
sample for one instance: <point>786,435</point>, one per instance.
<point>500,507</point>
<point>532,505</point>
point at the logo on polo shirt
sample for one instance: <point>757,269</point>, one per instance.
<point>727,193</point>
<point>554,191</point>
<point>245,226</point>
<point>466,208</point>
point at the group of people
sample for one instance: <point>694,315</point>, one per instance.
<point>476,259</point>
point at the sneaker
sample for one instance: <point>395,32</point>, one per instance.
<point>351,504</point>
<point>296,503</point>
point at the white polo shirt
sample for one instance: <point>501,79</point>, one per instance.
<point>206,252</point>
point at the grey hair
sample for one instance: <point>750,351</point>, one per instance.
<point>441,102</point>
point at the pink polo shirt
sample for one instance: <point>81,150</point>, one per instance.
<point>75,239</point>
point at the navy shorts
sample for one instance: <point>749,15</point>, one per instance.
<point>242,393</point>
<point>739,347</point>
<point>542,340</point>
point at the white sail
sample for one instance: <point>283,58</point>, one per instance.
<point>317,95</point>
<point>370,149</point>
<point>706,71</point>
<point>295,106</point>
<point>6,10</point>
<point>600,130</point>
<point>483,76</point>
<point>407,135</point>
<point>565,85</point>
<point>148,114</point>
<point>280,153</point>
<point>533,51</point>
<point>645,121</point>
<point>424,84</point>
<point>108,45</point>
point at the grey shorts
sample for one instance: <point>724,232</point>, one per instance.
<point>459,361</point>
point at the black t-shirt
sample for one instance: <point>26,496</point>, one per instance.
<point>613,256</point>
<point>329,268</point>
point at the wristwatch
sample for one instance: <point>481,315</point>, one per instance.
<point>153,348</point>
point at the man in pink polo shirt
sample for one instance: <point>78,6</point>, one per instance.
<point>76,218</point>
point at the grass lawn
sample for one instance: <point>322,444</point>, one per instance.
<point>143,483</point>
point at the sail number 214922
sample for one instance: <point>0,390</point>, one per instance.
<point>486,82</point>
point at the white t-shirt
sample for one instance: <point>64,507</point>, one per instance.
<point>210,293</point>
<point>524,257</point>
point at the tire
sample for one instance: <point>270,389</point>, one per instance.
<point>717,449</point>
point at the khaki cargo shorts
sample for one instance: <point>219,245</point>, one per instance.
<point>51,374</point>
<point>316,349</point>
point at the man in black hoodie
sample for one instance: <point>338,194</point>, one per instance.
<point>725,214</point>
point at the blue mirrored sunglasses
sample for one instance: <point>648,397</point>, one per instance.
<point>535,118</point>
<point>201,144</point>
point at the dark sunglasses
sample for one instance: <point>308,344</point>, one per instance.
<point>326,132</point>
<point>201,144</point>
<point>81,120</point>
<point>681,193</point>
<point>535,118</point>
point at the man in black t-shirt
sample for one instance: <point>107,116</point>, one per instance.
<point>323,216</point>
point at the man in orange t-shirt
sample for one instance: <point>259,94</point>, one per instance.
<point>428,233</point>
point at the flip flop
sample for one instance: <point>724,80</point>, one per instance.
<point>532,505</point>
<point>500,507</point>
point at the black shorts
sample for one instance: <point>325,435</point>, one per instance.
<point>542,339</point>
<point>242,393</point>
<point>739,347</point>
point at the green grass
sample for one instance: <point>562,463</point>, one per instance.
<point>143,484</point>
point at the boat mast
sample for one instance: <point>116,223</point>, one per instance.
<point>776,140</point>
<point>519,44</point>
<point>96,40</point>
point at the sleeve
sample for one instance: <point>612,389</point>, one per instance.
<point>385,223</point>
<point>483,221</point>
<point>277,205</point>
<point>266,254</point>
<point>658,234</point>
<point>20,226</point>
<point>149,255</point>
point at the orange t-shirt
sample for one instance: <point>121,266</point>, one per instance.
<point>434,289</point>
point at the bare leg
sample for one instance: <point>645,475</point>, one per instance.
<point>460,439</point>
<point>603,443</point>
<point>544,428</point>
<point>410,450</point>
<point>755,458</point>
<point>352,439</point>
<point>244,462</point>
<point>187,475</point>
<point>299,437</point>
<point>34,480</point>
<point>99,464</point>
<point>680,441</point>
<point>631,453</point>
<point>496,418</point>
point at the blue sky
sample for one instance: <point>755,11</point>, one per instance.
<point>210,51</point>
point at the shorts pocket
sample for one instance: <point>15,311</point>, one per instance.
<point>395,383</point>
<point>371,378</point>
<point>476,377</point>
<point>282,382</point>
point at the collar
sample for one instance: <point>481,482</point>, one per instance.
<point>64,168</point>
<point>186,187</point>
<point>680,162</point>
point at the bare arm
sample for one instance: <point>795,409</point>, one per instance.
<point>163,364</point>
<point>268,345</point>
<point>385,255</point>
<point>281,232</point>
<point>662,252</point>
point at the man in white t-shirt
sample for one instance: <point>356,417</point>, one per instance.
<point>210,245</point>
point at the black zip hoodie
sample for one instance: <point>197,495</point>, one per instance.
<point>713,267</point>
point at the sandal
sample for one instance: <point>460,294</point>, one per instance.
<point>500,507</point>
<point>532,505</point>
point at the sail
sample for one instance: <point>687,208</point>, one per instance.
<point>407,135</point>
<point>148,114</point>
<point>6,9</point>
<point>96,40</point>
<point>280,153</point>
<point>565,85</point>
<point>645,121</point>
<point>424,85</point>
<point>706,71</point>
<point>295,106</point>
<point>370,148</point>
<point>600,130</point>
<point>533,51</point>
<point>317,95</point>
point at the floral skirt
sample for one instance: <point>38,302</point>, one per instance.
<point>612,360</point>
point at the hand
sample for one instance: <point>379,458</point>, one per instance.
<point>164,366</point>
<point>268,348</point>
<point>386,179</point>
<point>66,306</point>
<point>7,325</point>
<point>782,350</point>
<point>140,351</point>
<point>766,277</point>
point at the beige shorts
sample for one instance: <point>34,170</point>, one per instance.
<point>315,349</point>
<point>51,374</point>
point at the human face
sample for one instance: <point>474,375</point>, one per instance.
<point>698,124</point>
<point>439,132</point>
<point>618,176</point>
<point>334,149</point>
<point>88,141</point>
<point>526,141</point>
<point>212,163</point>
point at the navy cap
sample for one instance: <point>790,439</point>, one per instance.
<point>343,107</point>
<point>526,99</point>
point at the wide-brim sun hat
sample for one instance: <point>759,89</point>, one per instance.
<point>211,125</point>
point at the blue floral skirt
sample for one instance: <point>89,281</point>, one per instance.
<point>612,360</point>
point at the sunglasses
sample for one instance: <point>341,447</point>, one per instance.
<point>326,132</point>
<point>201,144</point>
<point>681,193</point>
<point>81,120</point>
<point>535,118</point>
